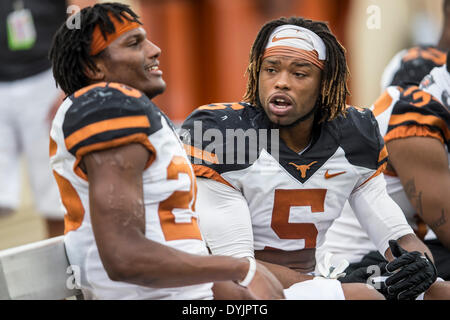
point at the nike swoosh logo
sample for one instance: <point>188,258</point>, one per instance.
<point>329,176</point>
<point>275,39</point>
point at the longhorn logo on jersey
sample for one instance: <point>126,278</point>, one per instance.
<point>303,168</point>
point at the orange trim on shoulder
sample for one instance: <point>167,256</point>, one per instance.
<point>421,119</point>
<point>200,154</point>
<point>237,106</point>
<point>412,131</point>
<point>86,89</point>
<point>221,106</point>
<point>383,154</point>
<point>205,172</point>
<point>72,202</point>
<point>216,107</point>
<point>382,103</point>
<point>53,147</point>
<point>105,125</point>
<point>380,170</point>
<point>134,138</point>
<point>126,90</point>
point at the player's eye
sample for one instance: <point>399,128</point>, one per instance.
<point>270,70</point>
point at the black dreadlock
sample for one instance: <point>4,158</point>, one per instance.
<point>70,50</point>
<point>334,88</point>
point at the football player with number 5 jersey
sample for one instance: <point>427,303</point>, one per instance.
<point>276,170</point>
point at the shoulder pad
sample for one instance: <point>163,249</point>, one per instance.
<point>415,109</point>
<point>359,136</point>
<point>105,112</point>
<point>223,136</point>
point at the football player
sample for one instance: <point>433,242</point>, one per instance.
<point>414,121</point>
<point>125,181</point>
<point>274,192</point>
<point>419,185</point>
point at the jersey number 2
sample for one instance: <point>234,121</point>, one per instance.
<point>181,204</point>
<point>284,200</point>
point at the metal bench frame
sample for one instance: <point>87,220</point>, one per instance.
<point>37,271</point>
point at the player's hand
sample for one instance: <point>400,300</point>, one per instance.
<point>411,273</point>
<point>265,285</point>
<point>362,274</point>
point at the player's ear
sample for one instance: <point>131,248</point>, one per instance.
<point>97,73</point>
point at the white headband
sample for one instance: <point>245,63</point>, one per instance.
<point>297,39</point>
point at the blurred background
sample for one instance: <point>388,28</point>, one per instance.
<point>205,46</point>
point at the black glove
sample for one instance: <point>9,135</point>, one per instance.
<point>411,273</point>
<point>363,274</point>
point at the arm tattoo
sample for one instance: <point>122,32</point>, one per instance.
<point>439,222</point>
<point>414,196</point>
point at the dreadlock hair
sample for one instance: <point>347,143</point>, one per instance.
<point>334,88</point>
<point>70,50</point>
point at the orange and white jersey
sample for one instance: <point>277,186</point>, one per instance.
<point>401,112</point>
<point>414,111</point>
<point>108,115</point>
<point>290,199</point>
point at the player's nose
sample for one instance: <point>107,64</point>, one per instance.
<point>152,50</point>
<point>282,81</point>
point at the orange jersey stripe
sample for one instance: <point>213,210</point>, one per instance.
<point>380,170</point>
<point>200,154</point>
<point>234,106</point>
<point>383,154</point>
<point>86,89</point>
<point>72,202</point>
<point>382,103</point>
<point>105,125</point>
<point>410,90</point>
<point>420,119</point>
<point>412,131</point>
<point>203,171</point>
<point>53,147</point>
<point>134,138</point>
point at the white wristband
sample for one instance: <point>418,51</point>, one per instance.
<point>250,274</point>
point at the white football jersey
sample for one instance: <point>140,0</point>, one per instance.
<point>107,115</point>
<point>292,198</point>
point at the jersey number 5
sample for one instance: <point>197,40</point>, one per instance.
<point>284,200</point>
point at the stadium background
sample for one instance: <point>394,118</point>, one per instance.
<point>205,46</point>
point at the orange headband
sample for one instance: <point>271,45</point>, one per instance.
<point>99,43</point>
<point>310,56</point>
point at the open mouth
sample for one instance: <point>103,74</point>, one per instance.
<point>280,103</point>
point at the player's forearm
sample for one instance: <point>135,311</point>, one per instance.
<point>436,214</point>
<point>286,276</point>
<point>154,265</point>
<point>410,242</point>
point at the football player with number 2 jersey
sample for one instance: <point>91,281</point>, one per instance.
<point>126,184</point>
